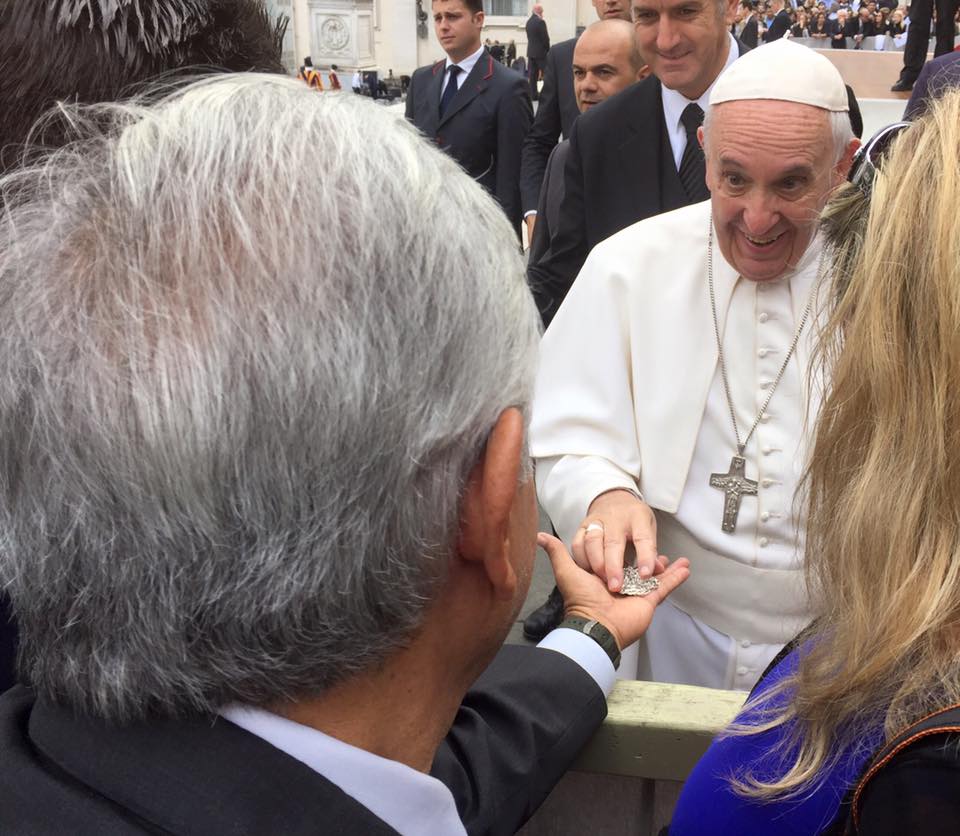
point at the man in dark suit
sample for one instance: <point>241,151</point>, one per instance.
<point>750,24</point>
<point>841,29</point>
<point>46,58</point>
<point>555,113</point>
<point>780,24</point>
<point>264,570</point>
<point>606,60</point>
<point>538,45</point>
<point>918,37</point>
<point>624,158</point>
<point>473,107</point>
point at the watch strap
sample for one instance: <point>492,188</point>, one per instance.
<point>596,631</point>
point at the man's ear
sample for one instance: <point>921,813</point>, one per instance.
<point>842,168</point>
<point>488,503</point>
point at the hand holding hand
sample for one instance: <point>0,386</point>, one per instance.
<point>585,595</point>
<point>615,521</point>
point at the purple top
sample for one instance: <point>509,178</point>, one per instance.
<point>708,804</point>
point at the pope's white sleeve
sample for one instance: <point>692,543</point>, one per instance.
<point>583,432</point>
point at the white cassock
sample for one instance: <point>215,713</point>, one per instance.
<point>629,394</point>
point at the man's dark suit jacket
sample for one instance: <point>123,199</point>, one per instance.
<point>556,114</point>
<point>749,35</point>
<point>779,27</point>
<point>484,126</point>
<point>515,734</point>
<point>548,209</point>
<point>620,170</point>
<point>538,40</point>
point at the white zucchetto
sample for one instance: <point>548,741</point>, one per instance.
<point>785,72</point>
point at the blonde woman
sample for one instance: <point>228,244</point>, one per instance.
<point>854,730</point>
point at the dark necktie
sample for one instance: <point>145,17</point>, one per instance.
<point>450,90</point>
<point>692,165</point>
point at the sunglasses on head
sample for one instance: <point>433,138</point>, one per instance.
<point>869,157</point>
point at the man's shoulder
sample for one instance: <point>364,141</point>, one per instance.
<point>637,102</point>
<point>563,51</point>
<point>503,75</point>
<point>35,799</point>
<point>427,71</point>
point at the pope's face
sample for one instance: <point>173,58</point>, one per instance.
<point>770,170</point>
<point>684,42</point>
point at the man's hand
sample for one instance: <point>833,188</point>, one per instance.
<point>584,594</point>
<point>615,521</point>
<point>531,222</point>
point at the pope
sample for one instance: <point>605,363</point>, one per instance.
<point>672,399</point>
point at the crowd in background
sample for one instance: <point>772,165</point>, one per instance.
<point>835,21</point>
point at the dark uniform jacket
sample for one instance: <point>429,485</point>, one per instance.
<point>484,126</point>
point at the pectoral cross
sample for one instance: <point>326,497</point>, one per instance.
<point>734,485</point>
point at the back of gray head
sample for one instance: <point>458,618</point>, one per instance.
<point>234,432</point>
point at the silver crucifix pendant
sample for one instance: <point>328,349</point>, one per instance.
<point>734,485</point>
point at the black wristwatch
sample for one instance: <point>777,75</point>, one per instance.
<point>600,634</point>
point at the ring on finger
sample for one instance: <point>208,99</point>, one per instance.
<point>594,526</point>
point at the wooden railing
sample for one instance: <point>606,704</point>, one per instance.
<point>626,780</point>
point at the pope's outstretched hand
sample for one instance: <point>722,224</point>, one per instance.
<point>616,520</point>
<point>586,596</point>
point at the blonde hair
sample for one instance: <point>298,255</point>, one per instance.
<point>883,483</point>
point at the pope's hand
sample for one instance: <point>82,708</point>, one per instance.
<point>585,596</point>
<point>615,520</point>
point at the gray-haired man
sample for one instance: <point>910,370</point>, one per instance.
<point>265,511</point>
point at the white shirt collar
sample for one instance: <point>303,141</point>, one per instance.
<point>675,102</point>
<point>412,803</point>
<point>466,65</point>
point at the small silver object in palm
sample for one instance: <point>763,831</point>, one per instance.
<point>633,584</point>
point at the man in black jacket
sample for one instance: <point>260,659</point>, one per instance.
<point>749,25</point>
<point>780,24</point>
<point>918,36</point>
<point>625,154</point>
<point>538,45</point>
<point>473,107</point>
<point>555,113</point>
<point>273,514</point>
<point>841,29</point>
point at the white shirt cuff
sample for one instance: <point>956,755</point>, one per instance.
<point>528,213</point>
<point>585,652</point>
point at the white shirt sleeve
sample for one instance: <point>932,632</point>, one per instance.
<point>583,431</point>
<point>585,652</point>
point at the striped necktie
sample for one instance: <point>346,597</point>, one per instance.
<point>450,90</point>
<point>692,165</point>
